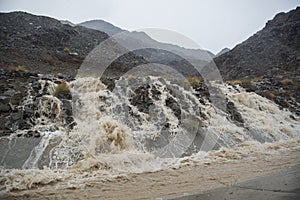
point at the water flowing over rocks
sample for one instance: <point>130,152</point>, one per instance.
<point>28,103</point>
<point>268,62</point>
<point>72,131</point>
<point>77,119</point>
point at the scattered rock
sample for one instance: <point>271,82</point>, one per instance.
<point>141,99</point>
<point>174,106</point>
<point>234,114</point>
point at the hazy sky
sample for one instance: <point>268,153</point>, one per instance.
<point>213,24</point>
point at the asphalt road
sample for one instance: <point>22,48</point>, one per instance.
<point>280,185</point>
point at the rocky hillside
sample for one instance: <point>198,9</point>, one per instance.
<point>163,53</point>
<point>22,94</point>
<point>275,50</point>
<point>37,50</point>
<point>268,62</point>
<point>144,39</point>
<point>47,46</point>
<point>225,50</point>
<point>44,45</point>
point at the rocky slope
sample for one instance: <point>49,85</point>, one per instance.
<point>268,62</point>
<point>274,50</point>
<point>158,52</point>
<point>37,51</point>
<point>44,45</point>
<point>143,38</point>
<point>22,94</point>
<point>225,50</point>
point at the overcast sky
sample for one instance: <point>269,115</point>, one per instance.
<point>213,24</point>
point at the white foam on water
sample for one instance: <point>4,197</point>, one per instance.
<point>112,136</point>
<point>107,167</point>
<point>103,132</point>
<point>263,114</point>
<point>39,150</point>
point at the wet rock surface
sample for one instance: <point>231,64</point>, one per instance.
<point>141,99</point>
<point>268,62</point>
<point>234,114</point>
<point>22,94</point>
<point>282,90</point>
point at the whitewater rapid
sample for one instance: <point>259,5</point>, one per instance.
<point>118,133</point>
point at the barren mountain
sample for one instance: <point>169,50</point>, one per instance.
<point>275,50</point>
<point>101,25</point>
<point>45,45</point>
<point>269,61</point>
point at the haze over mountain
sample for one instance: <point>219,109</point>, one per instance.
<point>46,45</point>
<point>154,51</point>
<point>213,24</point>
<point>85,114</point>
<point>102,25</point>
<point>61,46</point>
<point>67,22</point>
<point>145,40</point>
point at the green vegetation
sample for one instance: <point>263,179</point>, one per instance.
<point>61,89</point>
<point>18,68</point>
<point>245,83</point>
<point>194,80</point>
<point>66,49</point>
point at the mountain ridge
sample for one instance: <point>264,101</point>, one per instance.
<point>45,45</point>
<point>101,25</point>
<point>276,47</point>
<point>147,40</point>
<point>268,62</point>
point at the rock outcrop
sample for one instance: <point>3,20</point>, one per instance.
<point>268,63</point>
<point>47,46</point>
<point>29,99</point>
<point>275,50</point>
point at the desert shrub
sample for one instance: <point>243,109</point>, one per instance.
<point>194,80</point>
<point>287,93</point>
<point>61,89</point>
<point>256,79</point>
<point>296,87</point>
<point>234,82</point>
<point>66,49</point>
<point>246,83</point>
<point>270,95</point>
<point>18,68</point>
<point>287,81</point>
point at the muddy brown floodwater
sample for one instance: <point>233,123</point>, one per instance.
<point>225,167</point>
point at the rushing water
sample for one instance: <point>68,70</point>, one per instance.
<point>142,125</point>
